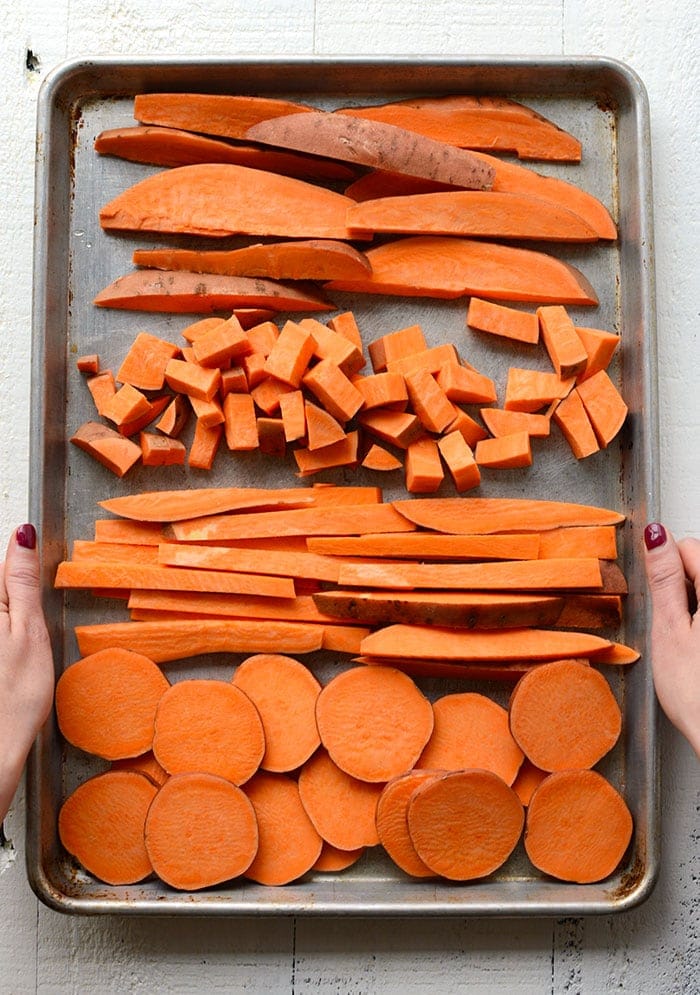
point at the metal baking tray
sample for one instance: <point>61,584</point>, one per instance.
<point>604,104</point>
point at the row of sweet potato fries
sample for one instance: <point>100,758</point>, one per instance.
<point>302,388</point>
<point>268,775</point>
<point>433,585</point>
<point>428,175</point>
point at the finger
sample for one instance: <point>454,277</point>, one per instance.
<point>21,576</point>
<point>666,578</point>
<point>689,550</point>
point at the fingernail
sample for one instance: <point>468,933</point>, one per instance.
<point>654,535</point>
<point>26,536</point>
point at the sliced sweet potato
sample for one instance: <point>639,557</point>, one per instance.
<point>444,267</point>
<point>217,199</point>
<point>373,143</point>
<point>182,292</point>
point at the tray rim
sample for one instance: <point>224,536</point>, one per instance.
<point>206,903</point>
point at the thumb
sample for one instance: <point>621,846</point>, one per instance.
<point>666,576</point>
<point>22,585</point>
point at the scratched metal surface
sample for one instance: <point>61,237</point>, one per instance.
<point>601,102</point>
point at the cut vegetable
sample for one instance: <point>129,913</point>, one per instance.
<point>177,640</point>
<point>215,199</point>
<point>604,406</point>
<point>181,292</point>
<point>374,722</point>
<point>211,113</point>
<point>288,843</point>
<point>284,692</point>
<point>451,267</point>
<point>465,824</point>
<point>486,515</point>
<point>201,830</point>
<point>564,346</point>
<point>209,726</point>
<point>505,451</point>
<point>177,147</point>
<point>578,827</point>
<point>311,259</point>
<point>478,123</point>
<point>372,143</point>
<point>499,319</point>
<point>392,822</point>
<point>107,446</point>
<point>342,808</point>
<point>106,703</point>
<point>474,213</point>
<point>471,731</point>
<point>102,825</point>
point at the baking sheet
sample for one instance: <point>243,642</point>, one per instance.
<point>604,104</point>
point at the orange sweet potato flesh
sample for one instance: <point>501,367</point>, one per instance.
<point>478,123</point>
<point>173,640</point>
<point>473,516</point>
<point>556,574</point>
<point>341,807</point>
<point>289,844</point>
<point>307,259</point>
<point>471,730</point>
<point>465,824</point>
<point>564,716</point>
<point>176,147</point>
<point>183,292</point>
<point>107,446</point>
<point>475,213</point>
<point>451,267</point>
<point>219,199</point>
<point>392,824</point>
<point>578,826</point>
<point>374,722</point>
<point>172,506</point>
<point>211,113</point>
<point>418,641</point>
<point>373,143</point>
<point>509,177</point>
<point>225,730</point>
<point>102,822</point>
<point>209,809</point>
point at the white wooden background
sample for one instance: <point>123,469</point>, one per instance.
<point>654,949</point>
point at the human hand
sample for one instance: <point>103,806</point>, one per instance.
<point>26,660</point>
<point>673,575</point>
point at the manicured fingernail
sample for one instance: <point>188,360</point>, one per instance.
<point>654,535</point>
<point>26,536</point>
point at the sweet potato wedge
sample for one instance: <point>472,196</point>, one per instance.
<point>474,213</point>
<point>182,292</point>
<point>218,199</point>
<point>451,267</point>
<point>158,146</point>
<point>373,143</point>
<point>309,259</point>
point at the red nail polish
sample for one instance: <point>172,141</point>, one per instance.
<point>654,535</point>
<point>26,536</point>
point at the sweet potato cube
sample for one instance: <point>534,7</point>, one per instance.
<point>240,423</point>
<point>293,414</point>
<point>382,390</point>
<point>205,445</point>
<point>564,346</point>
<point>530,390</point>
<point>222,343</point>
<point>499,319</point>
<point>271,436</point>
<point>334,346</point>
<point>345,324</point>
<point>192,379</point>
<point>465,385</point>
<point>400,428</point>
<point>290,355</point>
<point>107,446</point>
<point>429,401</point>
<point>570,415</point>
<point>267,394</point>
<point>341,453</point>
<point>126,405</point>
<point>460,461</point>
<point>161,450</point>
<point>102,388</point>
<point>334,390</point>
<point>174,417</point>
<point>600,347</point>
<point>424,472</point>
<point>505,451</point>
<point>145,362</point>
<point>604,406</point>
<point>322,429</point>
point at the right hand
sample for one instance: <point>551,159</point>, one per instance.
<point>673,575</point>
